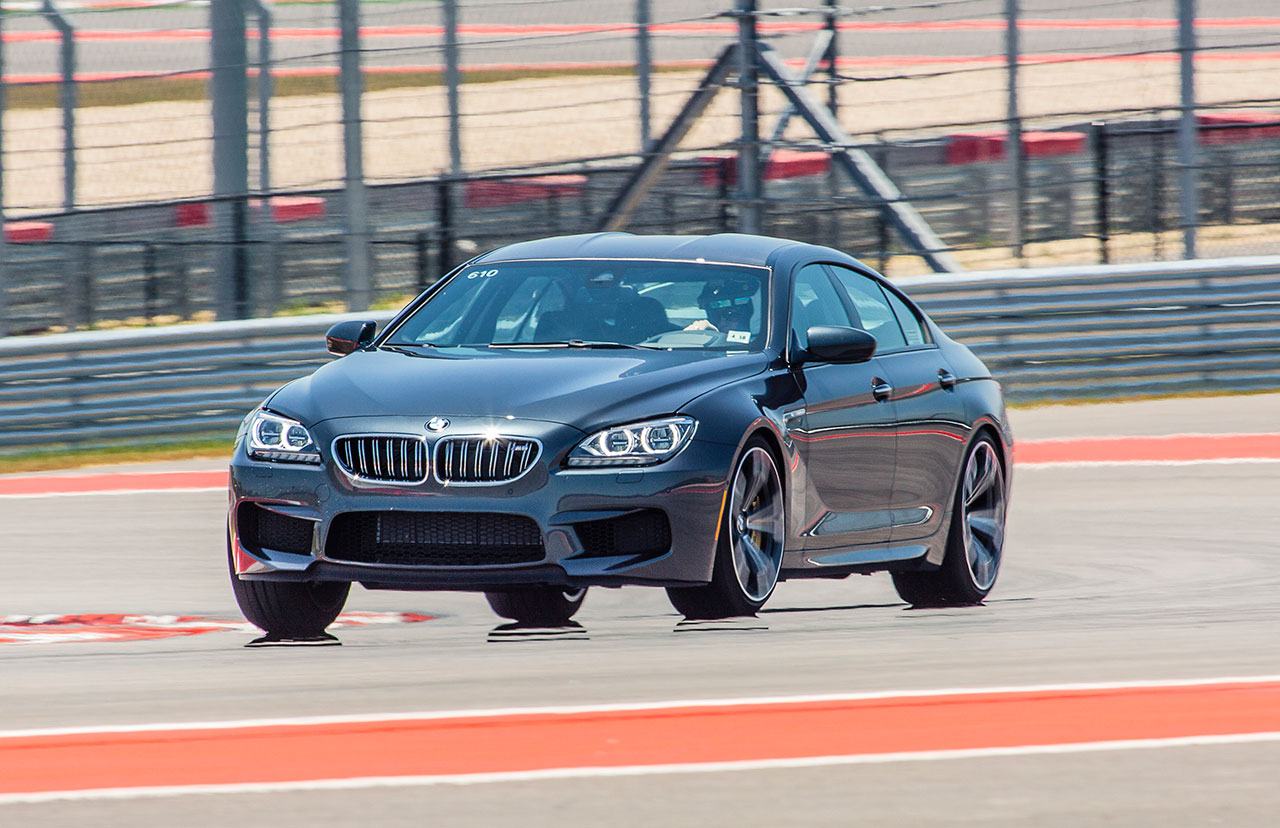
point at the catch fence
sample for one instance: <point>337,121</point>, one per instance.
<point>342,186</point>
<point>1084,333</point>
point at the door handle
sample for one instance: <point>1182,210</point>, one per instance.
<point>946,379</point>
<point>880,389</point>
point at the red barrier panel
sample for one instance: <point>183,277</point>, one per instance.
<point>18,232</point>
<point>975,147</point>
<point>1238,134</point>
<point>508,191</point>
<point>285,209</point>
<point>191,214</point>
<point>782,164</point>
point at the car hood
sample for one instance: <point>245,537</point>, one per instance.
<point>585,389</point>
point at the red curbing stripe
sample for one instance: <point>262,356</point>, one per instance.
<point>530,741</point>
<point>1175,448</point>
<point>58,484</point>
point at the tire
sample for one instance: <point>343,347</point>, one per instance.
<point>543,605</point>
<point>289,609</point>
<point>975,539</point>
<point>748,554</point>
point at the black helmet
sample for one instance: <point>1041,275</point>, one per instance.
<point>724,294</point>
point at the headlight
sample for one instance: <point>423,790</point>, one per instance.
<point>641,444</point>
<point>272,437</point>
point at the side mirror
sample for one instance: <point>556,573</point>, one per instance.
<point>833,343</point>
<point>352,335</point>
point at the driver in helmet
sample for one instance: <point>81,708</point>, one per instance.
<point>728,305</point>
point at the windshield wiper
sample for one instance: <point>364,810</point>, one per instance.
<point>405,347</point>
<point>576,343</point>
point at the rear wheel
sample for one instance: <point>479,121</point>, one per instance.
<point>288,609</point>
<point>749,552</point>
<point>975,542</point>
<point>537,604</point>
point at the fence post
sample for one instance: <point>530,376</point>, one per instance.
<point>444,218</point>
<point>1013,128</point>
<point>1187,162</point>
<point>420,259</point>
<point>4,266</point>
<point>150,288</point>
<point>356,232</point>
<point>79,310</point>
<point>644,60</point>
<point>749,151</point>
<point>831,23</point>
<point>1157,187</point>
<point>273,292</point>
<point>452,80</point>
<point>1102,183</point>
<point>229,89</point>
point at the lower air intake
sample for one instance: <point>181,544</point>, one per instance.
<point>646,533</point>
<point>434,539</point>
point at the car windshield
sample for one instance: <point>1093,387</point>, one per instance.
<point>595,303</point>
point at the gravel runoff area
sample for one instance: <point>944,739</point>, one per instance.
<point>145,152</point>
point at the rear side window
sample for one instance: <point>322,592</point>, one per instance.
<point>912,328</point>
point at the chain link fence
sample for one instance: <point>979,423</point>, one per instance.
<point>113,214</point>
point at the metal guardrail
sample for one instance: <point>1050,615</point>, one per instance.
<point>1075,332</point>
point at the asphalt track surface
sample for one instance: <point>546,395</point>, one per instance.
<point>1140,598</point>
<point>401,35</point>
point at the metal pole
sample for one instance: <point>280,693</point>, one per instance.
<point>749,151</point>
<point>1013,128</point>
<point>452,79</point>
<point>1101,172</point>
<point>4,269</point>
<point>269,269</point>
<point>1187,162</point>
<point>229,89</point>
<point>833,56</point>
<point>265,88</point>
<point>644,61</point>
<point>67,99</point>
<point>357,232</point>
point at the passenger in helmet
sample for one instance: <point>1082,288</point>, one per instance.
<point>728,305</point>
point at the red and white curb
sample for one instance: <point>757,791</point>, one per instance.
<point>469,747</point>
<point>1170,449</point>
<point>65,629</point>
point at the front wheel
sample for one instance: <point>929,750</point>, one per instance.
<point>289,609</point>
<point>749,551</point>
<point>975,541</point>
<point>546,605</point>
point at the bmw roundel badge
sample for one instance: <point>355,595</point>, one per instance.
<point>437,423</point>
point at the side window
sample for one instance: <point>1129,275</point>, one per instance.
<point>814,301</point>
<point>878,318</point>
<point>912,327</point>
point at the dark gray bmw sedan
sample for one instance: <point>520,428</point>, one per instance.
<point>711,415</point>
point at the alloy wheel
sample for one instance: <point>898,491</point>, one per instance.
<point>983,505</point>
<point>757,524</point>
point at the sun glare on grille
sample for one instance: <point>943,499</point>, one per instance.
<point>483,459</point>
<point>388,459</point>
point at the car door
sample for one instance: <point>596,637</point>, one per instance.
<point>845,436</point>
<point>931,430</point>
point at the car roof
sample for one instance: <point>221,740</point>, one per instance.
<point>729,248</point>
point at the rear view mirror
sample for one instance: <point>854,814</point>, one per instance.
<point>833,343</point>
<point>352,335</point>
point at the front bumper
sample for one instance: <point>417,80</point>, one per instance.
<point>689,490</point>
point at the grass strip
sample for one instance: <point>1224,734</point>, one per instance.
<point>53,459</point>
<point>127,91</point>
